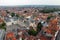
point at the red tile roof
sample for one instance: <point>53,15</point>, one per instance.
<point>10,35</point>
<point>3,13</point>
<point>13,38</point>
<point>42,37</point>
<point>1,20</point>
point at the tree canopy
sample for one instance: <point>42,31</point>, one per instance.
<point>12,14</point>
<point>39,26</point>
<point>32,32</point>
<point>2,26</point>
<point>48,10</point>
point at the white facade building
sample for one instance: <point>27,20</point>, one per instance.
<point>2,32</point>
<point>12,21</point>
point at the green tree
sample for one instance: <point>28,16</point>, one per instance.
<point>25,11</point>
<point>17,15</point>
<point>32,32</point>
<point>7,11</point>
<point>48,10</point>
<point>22,38</point>
<point>12,14</point>
<point>2,26</point>
<point>48,18</point>
<point>39,27</point>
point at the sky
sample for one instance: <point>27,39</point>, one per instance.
<point>28,2</point>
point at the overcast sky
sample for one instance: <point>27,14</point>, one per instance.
<point>28,2</point>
